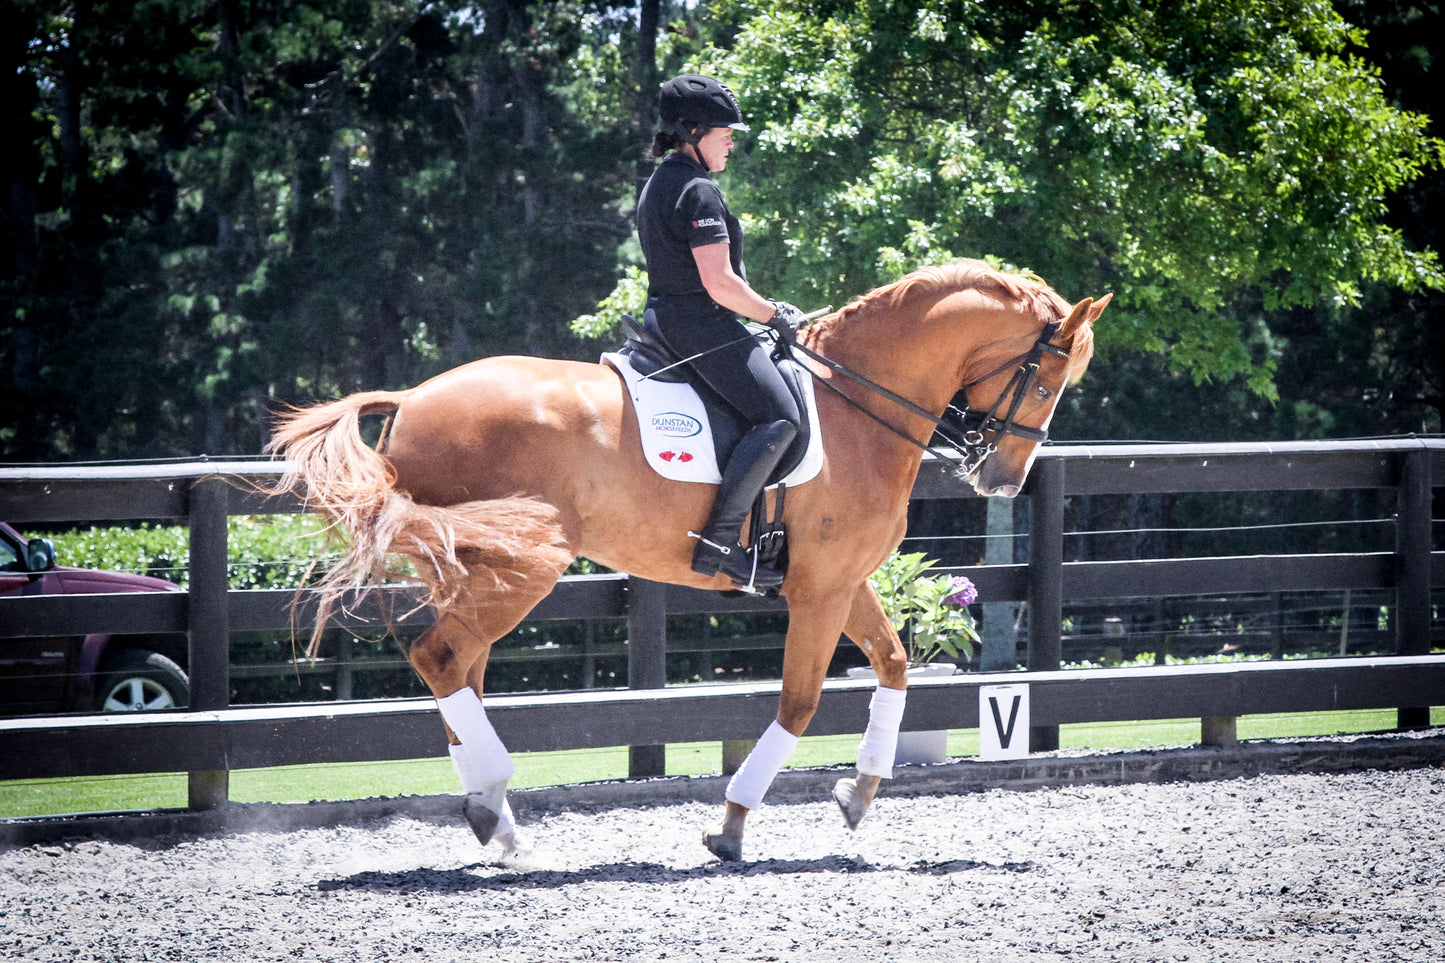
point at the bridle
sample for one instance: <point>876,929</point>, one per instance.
<point>974,435</point>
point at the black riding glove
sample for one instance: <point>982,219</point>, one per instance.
<point>785,321</point>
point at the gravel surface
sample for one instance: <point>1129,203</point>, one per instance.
<point>1272,868</point>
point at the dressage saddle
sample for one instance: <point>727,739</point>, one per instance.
<point>653,359</point>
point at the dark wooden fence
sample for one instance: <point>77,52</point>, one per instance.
<point>210,738</point>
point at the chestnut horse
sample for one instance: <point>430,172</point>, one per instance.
<point>491,478</point>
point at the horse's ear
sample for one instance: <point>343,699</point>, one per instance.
<point>1085,312</point>
<point>1099,307</point>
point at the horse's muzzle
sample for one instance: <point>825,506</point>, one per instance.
<point>997,491</point>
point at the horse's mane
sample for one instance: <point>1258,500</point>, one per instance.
<point>1028,291</point>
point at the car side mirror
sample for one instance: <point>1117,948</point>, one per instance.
<point>39,555</point>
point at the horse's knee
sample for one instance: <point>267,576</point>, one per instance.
<point>795,713</point>
<point>891,666</point>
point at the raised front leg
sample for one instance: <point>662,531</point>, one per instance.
<point>813,629</point>
<point>870,630</point>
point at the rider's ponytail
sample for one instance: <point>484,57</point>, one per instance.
<point>664,142</point>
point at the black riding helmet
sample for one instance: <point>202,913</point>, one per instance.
<point>692,104</point>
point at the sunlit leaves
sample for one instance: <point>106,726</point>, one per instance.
<point>1180,155</point>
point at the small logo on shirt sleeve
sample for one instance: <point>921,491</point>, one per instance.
<point>708,222</point>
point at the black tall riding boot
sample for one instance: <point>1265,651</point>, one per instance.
<point>719,547</point>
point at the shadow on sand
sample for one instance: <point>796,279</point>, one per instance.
<point>480,876</point>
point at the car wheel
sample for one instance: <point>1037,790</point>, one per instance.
<point>135,680</point>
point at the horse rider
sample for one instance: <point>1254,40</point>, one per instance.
<point>697,292</point>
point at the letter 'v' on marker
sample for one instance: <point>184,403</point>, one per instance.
<point>1005,733</point>
<point>997,737</point>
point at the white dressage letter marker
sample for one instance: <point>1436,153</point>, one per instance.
<point>1003,721</point>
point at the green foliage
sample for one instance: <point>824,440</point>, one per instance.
<point>263,551</point>
<point>1212,163</point>
<point>924,610</point>
<point>161,551</point>
<point>629,297</point>
<point>230,206</point>
<point>221,208</point>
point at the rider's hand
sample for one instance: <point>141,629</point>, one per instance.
<point>785,321</point>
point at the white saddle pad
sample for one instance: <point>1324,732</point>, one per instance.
<point>676,435</point>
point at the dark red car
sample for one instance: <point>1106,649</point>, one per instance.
<point>60,673</point>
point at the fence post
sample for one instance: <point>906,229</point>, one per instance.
<point>1412,574</point>
<point>208,624</point>
<point>1000,640</point>
<point>345,673</point>
<point>646,662</point>
<point>1046,581</point>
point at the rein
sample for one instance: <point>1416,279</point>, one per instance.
<point>975,426</point>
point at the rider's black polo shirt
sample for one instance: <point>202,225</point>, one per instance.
<point>682,208</point>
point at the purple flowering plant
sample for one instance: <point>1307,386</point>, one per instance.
<point>965,593</point>
<point>930,612</point>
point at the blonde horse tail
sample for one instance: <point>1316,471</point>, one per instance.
<point>338,475</point>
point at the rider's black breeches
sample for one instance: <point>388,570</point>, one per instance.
<point>734,364</point>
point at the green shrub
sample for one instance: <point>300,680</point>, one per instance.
<point>264,551</point>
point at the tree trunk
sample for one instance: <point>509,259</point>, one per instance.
<point>646,79</point>
<point>19,175</point>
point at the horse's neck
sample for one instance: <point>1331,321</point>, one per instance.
<point>915,358</point>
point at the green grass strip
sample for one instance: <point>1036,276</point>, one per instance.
<point>40,797</point>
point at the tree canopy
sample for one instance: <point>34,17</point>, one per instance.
<point>217,207</point>
<point>1213,163</point>
<point>222,205</point>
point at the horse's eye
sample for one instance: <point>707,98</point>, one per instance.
<point>1043,393</point>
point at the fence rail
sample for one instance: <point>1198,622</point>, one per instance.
<point>210,737</point>
<point>259,736</point>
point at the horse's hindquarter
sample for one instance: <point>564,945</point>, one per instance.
<point>500,427</point>
<point>559,431</point>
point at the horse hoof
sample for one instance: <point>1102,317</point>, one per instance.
<point>851,801</point>
<point>480,817</point>
<point>512,845</point>
<point>727,848</point>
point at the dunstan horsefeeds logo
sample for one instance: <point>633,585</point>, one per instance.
<point>675,424</point>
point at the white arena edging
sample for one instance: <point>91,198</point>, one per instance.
<point>1323,755</point>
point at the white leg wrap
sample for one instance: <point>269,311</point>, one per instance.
<point>750,783</point>
<point>481,760</point>
<point>880,739</point>
<point>506,825</point>
<point>470,779</point>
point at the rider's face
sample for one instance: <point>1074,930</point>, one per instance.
<point>714,148</point>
